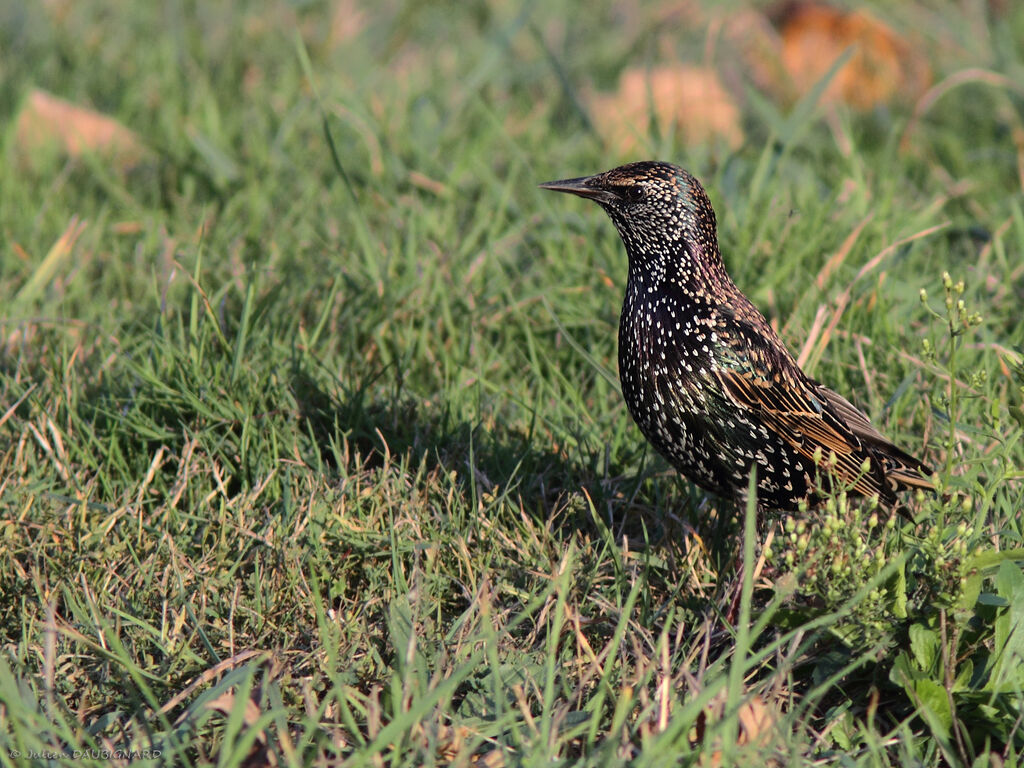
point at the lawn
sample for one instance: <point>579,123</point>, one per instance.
<point>312,450</point>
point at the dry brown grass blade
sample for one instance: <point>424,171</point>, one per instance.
<point>821,280</point>
<point>56,454</point>
<point>55,257</point>
<point>843,300</point>
<point>840,255</point>
<point>812,335</point>
<point>10,411</point>
<point>208,675</point>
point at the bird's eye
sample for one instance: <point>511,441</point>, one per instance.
<point>631,193</point>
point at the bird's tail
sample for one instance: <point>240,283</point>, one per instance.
<point>903,471</point>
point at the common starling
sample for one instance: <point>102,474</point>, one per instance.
<point>705,377</point>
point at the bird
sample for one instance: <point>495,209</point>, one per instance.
<point>705,377</point>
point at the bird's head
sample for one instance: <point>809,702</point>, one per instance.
<point>660,210</point>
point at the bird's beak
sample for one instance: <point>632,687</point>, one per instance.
<point>589,187</point>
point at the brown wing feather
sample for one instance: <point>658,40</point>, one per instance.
<point>901,469</point>
<point>789,408</point>
<point>766,380</point>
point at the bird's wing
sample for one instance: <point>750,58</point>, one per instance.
<point>852,417</point>
<point>788,406</point>
<point>900,467</point>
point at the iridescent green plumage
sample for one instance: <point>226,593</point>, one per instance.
<point>703,374</point>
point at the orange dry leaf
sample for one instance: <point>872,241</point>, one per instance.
<point>47,122</point>
<point>684,98</point>
<point>757,725</point>
<point>882,65</point>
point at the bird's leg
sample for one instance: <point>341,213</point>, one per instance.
<point>732,613</point>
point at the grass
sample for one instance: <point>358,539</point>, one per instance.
<point>311,444</point>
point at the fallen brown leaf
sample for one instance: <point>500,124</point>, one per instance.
<point>684,98</point>
<point>757,721</point>
<point>48,123</point>
<point>225,704</point>
<point>260,754</point>
<point>883,65</point>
